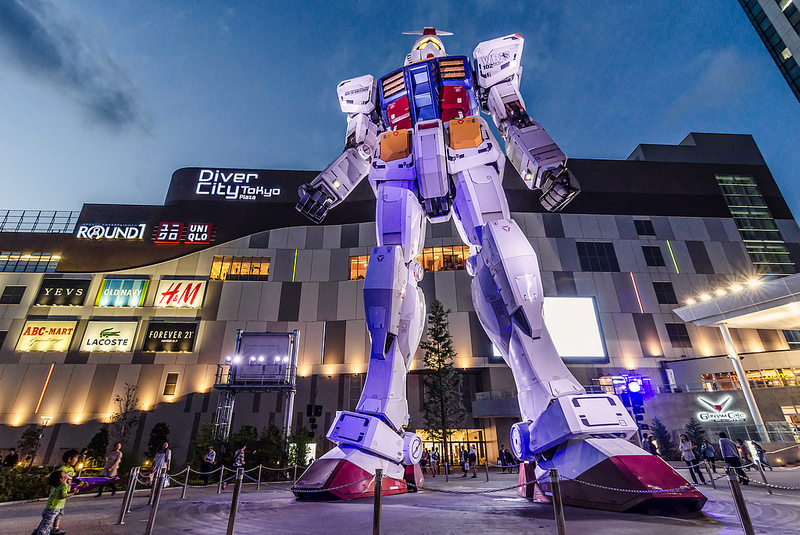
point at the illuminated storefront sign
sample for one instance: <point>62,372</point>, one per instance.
<point>190,233</point>
<point>111,231</point>
<point>170,337</point>
<point>122,293</point>
<point>62,292</point>
<point>718,412</point>
<point>41,335</point>
<point>220,184</point>
<point>176,293</point>
<point>109,336</point>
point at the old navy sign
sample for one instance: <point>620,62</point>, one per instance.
<point>108,336</point>
<point>170,337</point>
<point>180,293</point>
<point>111,231</point>
<point>217,184</point>
<point>718,412</point>
<point>62,292</point>
<point>122,293</point>
<point>42,335</point>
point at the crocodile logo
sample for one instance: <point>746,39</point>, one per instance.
<point>108,333</point>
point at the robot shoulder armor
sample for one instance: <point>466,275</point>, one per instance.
<point>498,60</point>
<point>357,95</point>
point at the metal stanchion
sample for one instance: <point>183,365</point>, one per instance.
<point>221,478</point>
<point>152,477</point>
<point>258,483</point>
<point>158,484</point>
<point>295,473</point>
<point>738,500</point>
<point>126,500</point>
<point>558,506</point>
<point>237,488</point>
<point>185,484</point>
<point>376,515</point>
<point>486,465</point>
<point>710,477</point>
<point>446,471</point>
<point>763,476</point>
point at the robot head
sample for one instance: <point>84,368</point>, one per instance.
<point>427,46</point>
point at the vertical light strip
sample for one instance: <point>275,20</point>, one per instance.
<point>294,269</point>
<point>46,382</point>
<point>669,246</point>
<point>636,289</point>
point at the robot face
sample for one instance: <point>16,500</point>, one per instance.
<point>426,47</point>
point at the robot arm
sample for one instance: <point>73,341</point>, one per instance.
<point>334,184</point>
<point>531,150</point>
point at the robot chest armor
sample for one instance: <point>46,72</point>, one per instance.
<point>438,88</point>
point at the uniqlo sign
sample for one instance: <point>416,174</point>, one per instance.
<point>169,233</point>
<point>180,293</point>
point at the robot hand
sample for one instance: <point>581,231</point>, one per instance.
<point>314,202</point>
<point>559,187</point>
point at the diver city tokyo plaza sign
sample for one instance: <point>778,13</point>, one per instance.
<point>52,336</point>
<point>217,184</point>
<point>116,336</point>
<point>718,412</point>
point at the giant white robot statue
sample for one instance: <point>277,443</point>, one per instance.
<point>418,134</point>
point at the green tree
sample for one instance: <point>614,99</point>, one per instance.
<point>158,435</point>
<point>98,446</point>
<point>666,446</point>
<point>126,419</point>
<point>298,449</point>
<point>28,444</point>
<point>695,432</point>
<point>442,405</point>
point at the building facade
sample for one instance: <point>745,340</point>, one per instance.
<point>155,295</point>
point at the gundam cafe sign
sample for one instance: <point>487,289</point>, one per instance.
<point>38,335</point>
<point>717,410</point>
<point>109,336</point>
<point>178,293</point>
<point>170,337</point>
<point>224,184</point>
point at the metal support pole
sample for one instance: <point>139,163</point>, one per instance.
<point>295,473</point>
<point>185,484</point>
<point>153,477</point>
<point>258,483</point>
<point>235,500</point>
<point>558,506</point>
<point>376,514</point>
<point>156,495</point>
<point>486,465</point>
<point>763,476</point>
<point>446,472</point>
<point>221,478</point>
<point>710,477</point>
<point>744,383</point>
<point>738,500</point>
<point>128,495</point>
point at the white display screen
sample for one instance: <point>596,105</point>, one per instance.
<point>575,329</point>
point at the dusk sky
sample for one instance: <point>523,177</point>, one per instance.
<point>101,100</point>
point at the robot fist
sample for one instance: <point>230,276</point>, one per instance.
<point>559,187</point>
<point>314,202</point>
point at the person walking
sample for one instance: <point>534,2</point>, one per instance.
<point>729,452</point>
<point>707,451</point>
<point>163,459</point>
<point>11,460</point>
<point>70,459</point>
<point>762,455</point>
<point>110,469</point>
<point>688,455</point>
<point>434,462</point>
<point>501,458</point>
<point>208,464</point>
<point>651,445</point>
<point>473,460</point>
<point>238,462</point>
<point>423,462</point>
<point>744,453</point>
<point>464,461</point>
<point>60,481</point>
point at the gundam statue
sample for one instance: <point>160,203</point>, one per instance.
<point>418,135</point>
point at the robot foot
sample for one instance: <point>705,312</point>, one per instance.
<point>346,473</point>
<point>601,472</point>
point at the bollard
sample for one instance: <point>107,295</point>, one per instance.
<point>126,499</point>
<point>710,478</point>
<point>221,478</point>
<point>133,490</point>
<point>152,477</point>
<point>486,465</point>
<point>237,488</point>
<point>738,501</point>
<point>446,472</point>
<point>185,484</point>
<point>295,473</point>
<point>258,483</point>
<point>763,476</point>
<point>155,493</point>
<point>376,514</point>
<point>558,506</point>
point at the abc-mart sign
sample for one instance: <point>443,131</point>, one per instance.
<point>40,335</point>
<point>111,231</point>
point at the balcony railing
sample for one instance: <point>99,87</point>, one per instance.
<point>43,221</point>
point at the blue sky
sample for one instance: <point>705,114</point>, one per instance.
<point>101,100</point>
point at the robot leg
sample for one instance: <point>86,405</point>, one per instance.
<point>370,437</point>
<point>583,435</point>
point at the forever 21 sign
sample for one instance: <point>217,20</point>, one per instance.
<point>175,337</point>
<point>62,292</point>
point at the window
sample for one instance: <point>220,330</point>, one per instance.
<point>29,262</point>
<point>447,258</point>
<point>3,335</point>
<point>240,268</point>
<point>653,256</point>
<point>12,295</point>
<point>171,384</point>
<point>678,335</point>
<point>644,227</point>
<point>793,339</point>
<point>665,293</point>
<point>597,256</point>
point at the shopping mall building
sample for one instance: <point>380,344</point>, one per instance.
<point>156,296</point>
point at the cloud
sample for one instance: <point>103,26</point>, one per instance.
<point>38,42</point>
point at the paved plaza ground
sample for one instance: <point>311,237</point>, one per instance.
<point>426,512</point>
